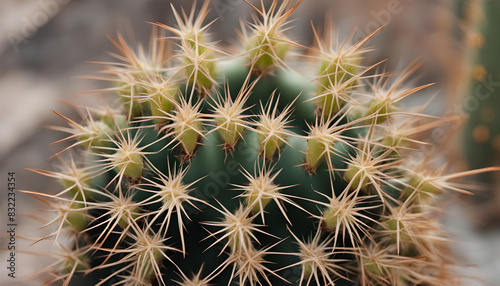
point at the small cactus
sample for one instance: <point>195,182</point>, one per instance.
<point>219,169</point>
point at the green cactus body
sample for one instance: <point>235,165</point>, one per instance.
<point>481,99</point>
<point>258,188</point>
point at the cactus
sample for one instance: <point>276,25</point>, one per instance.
<point>217,169</point>
<point>482,133</point>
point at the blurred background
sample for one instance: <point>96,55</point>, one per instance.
<point>45,47</point>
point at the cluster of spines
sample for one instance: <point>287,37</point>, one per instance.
<point>379,228</point>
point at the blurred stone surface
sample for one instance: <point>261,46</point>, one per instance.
<point>478,252</point>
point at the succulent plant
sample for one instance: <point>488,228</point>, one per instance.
<point>481,99</point>
<point>255,167</point>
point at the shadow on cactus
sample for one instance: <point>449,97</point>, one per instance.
<point>244,168</point>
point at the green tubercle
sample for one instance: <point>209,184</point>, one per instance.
<point>97,136</point>
<point>76,217</point>
<point>162,103</point>
<point>202,70</point>
<point>354,175</point>
<point>130,164</point>
<point>334,81</point>
<point>189,135</point>
<point>147,265</point>
<point>330,218</point>
<point>373,267</point>
<point>269,144</point>
<point>422,185</point>
<point>337,71</point>
<point>78,186</point>
<point>380,109</point>
<point>129,96</point>
<point>396,228</point>
<point>229,131</point>
<point>266,53</point>
<point>130,214</point>
<point>116,122</point>
<point>81,263</point>
<point>315,155</point>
